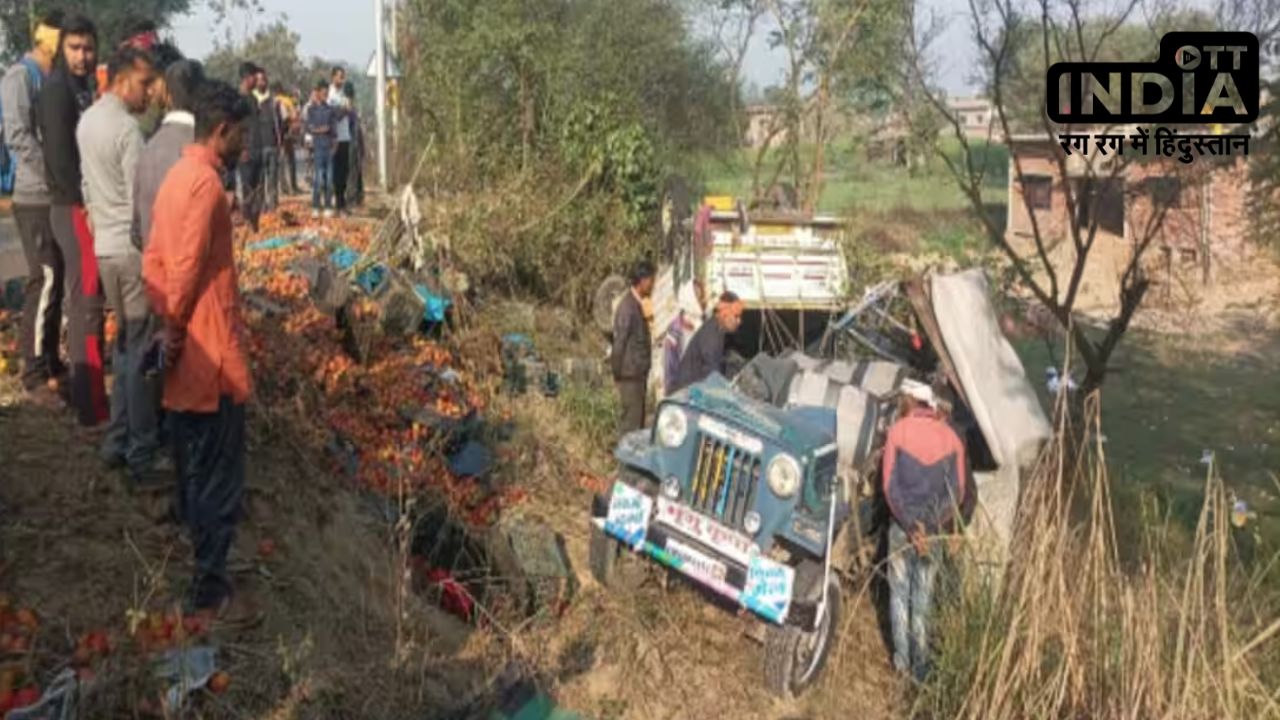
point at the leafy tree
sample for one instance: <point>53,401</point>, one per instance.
<point>113,17</point>
<point>841,57</point>
<point>274,47</point>
<point>573,108</point>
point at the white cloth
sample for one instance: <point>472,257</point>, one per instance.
<point>179,117</point>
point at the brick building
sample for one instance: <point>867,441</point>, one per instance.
<point>1206,217</point>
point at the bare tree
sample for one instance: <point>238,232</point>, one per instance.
<point>733,25</point>
<point>823,41</point>
<point>1007,32</point>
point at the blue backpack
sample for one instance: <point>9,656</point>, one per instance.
<point>8,163</point>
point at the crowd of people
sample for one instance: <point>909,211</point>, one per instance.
<point>126,178</point>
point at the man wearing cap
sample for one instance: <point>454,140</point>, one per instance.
<point>928,490</point>
<point>705,352</point>
<point>42,306</point>
<point>632,351</point>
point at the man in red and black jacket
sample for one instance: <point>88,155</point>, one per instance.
<point>927,487</point>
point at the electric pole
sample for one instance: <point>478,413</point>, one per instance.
<point>380,61</point>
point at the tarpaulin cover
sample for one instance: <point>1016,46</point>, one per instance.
<point>1000,398</point>
<point>1003,401</point>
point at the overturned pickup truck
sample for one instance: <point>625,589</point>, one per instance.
<point>764,490</point>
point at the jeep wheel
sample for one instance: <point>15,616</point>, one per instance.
<point>603,557</point>
<point>793,658</point>
<point>606,557</point>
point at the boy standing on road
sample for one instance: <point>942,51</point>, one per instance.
<point>64,97</point>
<point>190,272</point>
<point>42,307</point>
<point>320,124</point>
<point>338,98</point>
<point>110,147</point>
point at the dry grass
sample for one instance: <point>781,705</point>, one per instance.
<point>84,553</point>
<point>1070,634</point>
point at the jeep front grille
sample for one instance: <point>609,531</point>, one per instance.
<point>724,480</point>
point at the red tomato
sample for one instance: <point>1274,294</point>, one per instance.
<point>26,697</point>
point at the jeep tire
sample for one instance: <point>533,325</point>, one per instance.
<point>607,557</point>
<point>794,658</point>
<point>602,556</point>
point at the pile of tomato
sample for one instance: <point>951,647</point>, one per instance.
<point>368,405</point>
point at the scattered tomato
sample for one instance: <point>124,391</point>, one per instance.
<point>27,618</point>
<point>98,643</point>
<point>219,682</point>
<point>193,626</point>
<point>82,656</point>
<point>6,701</point>
<point>266,547</point>
<point>26,697</point>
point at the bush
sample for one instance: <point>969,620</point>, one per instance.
<point>1067,633</point>
<point>593,412</point>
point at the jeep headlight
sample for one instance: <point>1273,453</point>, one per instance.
<point>672,427</point>
<point>784,475</point>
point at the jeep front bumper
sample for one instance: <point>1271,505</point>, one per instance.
<point>715,557</point>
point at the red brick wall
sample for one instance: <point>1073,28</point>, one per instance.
<point>1213,200</point>
<point>1180,232</point>
<point>1053,221</point>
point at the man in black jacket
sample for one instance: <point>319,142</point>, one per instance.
<point>632,351</point>
<point>258,161</point>
<point>63,98</point>
<point>705,352</point>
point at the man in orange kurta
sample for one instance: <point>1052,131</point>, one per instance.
<point>189,270</point>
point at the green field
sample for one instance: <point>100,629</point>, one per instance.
<point>1168,400</point>
<point>853,183</point>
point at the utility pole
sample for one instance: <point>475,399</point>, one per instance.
<point>394,12</point>
<point>380,61</point>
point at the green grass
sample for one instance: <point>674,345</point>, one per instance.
<point>853,183</point>
<point>1168,400</point>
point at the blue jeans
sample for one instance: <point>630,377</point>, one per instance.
<point>209,452</point>
<point>911,577</point>
<point>322,180</point>
<point>134,432</point>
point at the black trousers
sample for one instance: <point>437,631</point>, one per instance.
<point>42,305</point>
<point>341,173</point>
<point>209,452</point>
<point>631,393</point>
<point>253,175</point>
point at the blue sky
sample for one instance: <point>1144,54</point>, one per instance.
<point>344,31</point>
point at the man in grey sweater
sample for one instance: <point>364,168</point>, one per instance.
<point>42,307</point>
<point>110,146</point>
<point>177,130</point>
